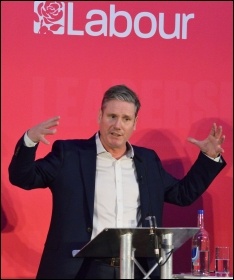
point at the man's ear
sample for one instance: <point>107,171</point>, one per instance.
<point>136,119</point>
<point>99,115</point>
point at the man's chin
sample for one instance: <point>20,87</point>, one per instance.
<point>116,144</point>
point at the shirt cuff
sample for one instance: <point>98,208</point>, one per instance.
<point>217,159</point>
<point>28,142</point>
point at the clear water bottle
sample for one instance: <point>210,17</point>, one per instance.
<point>201,248</point>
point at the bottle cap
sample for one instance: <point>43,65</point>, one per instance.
<point>200,211</point>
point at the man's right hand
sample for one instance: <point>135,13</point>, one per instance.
<point>38,132</point>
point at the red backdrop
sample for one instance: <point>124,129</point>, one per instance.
<point>184,82</point>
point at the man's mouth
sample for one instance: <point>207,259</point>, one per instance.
<point>115,134</point>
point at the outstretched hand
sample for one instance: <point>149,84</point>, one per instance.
<point>211,146</point>
<point>38,132</point>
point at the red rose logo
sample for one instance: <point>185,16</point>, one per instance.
<point>49,14</point>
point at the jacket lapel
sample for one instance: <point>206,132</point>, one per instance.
<point>143,187</point>
<point>88,154</point>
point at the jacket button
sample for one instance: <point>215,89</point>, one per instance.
<point>89,229</point>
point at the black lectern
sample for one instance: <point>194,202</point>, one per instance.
<point>128,243</point>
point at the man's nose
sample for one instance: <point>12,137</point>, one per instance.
<point>118,123</point>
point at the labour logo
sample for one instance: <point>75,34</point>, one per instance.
<point>49,17</point>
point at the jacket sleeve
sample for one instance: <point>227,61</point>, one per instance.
<point>195,182</point>
<point>28,173</point>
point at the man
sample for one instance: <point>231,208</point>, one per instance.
<point>105,182</point>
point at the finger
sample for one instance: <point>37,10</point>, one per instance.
<point>49,131</point>
<point>221,139</point>
<point>213,129</point>
<point>219,149</point>
<point>51,122</point>
<point>56,118</point>
<point>219,132</point>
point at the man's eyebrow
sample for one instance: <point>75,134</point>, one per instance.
<point>123,116</point>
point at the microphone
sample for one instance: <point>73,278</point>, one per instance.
<point>152,220</point>
<point>156,246</point>
<point>153,235</point>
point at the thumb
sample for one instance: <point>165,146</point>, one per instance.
<point>192,140</point>
<point>45,141</point>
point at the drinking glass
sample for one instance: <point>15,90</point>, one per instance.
<point>222,261</point>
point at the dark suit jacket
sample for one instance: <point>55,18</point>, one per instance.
<point>69,171</point>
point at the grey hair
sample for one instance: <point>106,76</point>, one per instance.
<point>122,93</point>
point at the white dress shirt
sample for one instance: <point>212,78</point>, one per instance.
<point>117,198</point>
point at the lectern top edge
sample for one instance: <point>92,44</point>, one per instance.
<point>107,242</point>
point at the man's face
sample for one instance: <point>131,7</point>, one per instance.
<point>117,121</point>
